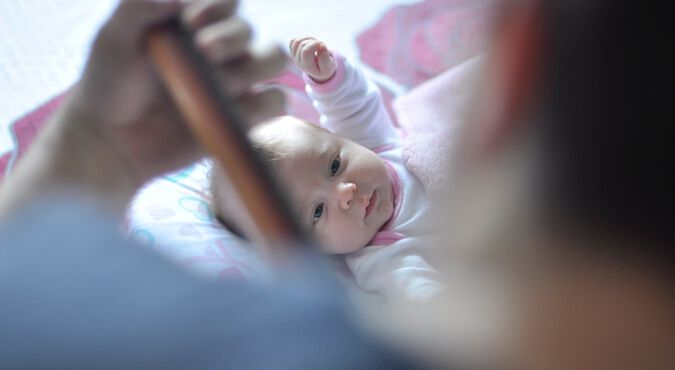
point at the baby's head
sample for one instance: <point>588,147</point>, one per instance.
<point>341,191</point>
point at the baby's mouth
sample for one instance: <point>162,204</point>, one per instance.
<point>372,202</point>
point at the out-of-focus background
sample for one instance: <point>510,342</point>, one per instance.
<point>44,43</point>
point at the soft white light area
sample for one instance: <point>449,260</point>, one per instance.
<point>43,46</point>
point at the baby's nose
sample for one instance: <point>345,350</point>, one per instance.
<point>346,192</point>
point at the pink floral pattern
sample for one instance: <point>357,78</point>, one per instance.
<point>219,253</point>
<point>413,43</point>
<point>25,129</point>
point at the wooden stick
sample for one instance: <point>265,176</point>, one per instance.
<point>217,124</point>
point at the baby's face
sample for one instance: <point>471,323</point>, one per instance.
<point>341,190</point>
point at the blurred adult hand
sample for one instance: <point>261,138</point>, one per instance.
<point>119,128</point>
<point>124,103</point>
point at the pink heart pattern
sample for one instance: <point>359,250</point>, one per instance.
<point>190,231</point>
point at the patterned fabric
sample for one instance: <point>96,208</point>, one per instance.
<point>24,131</point>
<point>172,216</point>
<point>413,43</point>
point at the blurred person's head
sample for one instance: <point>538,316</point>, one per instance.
<point>561,204</point>
<point>340,190</point>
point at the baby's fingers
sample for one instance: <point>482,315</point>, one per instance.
<point>308,53</point>
<point>297,56</point>
<point>325,61</point>
<point>295,43</point>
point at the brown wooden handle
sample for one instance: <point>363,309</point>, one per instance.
<point>218,126</point>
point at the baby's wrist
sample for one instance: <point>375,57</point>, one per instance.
<point>334,81</point>
<point>320,80</point>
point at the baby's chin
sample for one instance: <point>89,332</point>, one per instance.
<point>386,208</point>
<point>347,246</point>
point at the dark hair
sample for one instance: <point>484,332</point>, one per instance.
<point>605,116</point>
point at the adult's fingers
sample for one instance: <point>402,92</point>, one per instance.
<point>263,105</point>
<point>205,12</point>
<point>133,17</point>
<point>258,65</point>
<point>225,40</point>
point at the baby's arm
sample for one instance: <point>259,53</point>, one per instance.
<point>400,271</point>
<point>350,105</point>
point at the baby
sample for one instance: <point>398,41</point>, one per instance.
<point>346,179</point>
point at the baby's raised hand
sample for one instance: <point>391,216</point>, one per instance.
<point>313,57</point>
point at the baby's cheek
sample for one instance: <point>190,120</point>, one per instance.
<point>342,240</point>
<point>331,242</point>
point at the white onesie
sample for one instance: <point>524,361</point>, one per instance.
<point>394,264</point>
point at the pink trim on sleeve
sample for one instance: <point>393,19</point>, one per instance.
<point>335,81</point>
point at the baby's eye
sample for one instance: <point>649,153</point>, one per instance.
<point>318,211</point>
<point>335,166</point>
